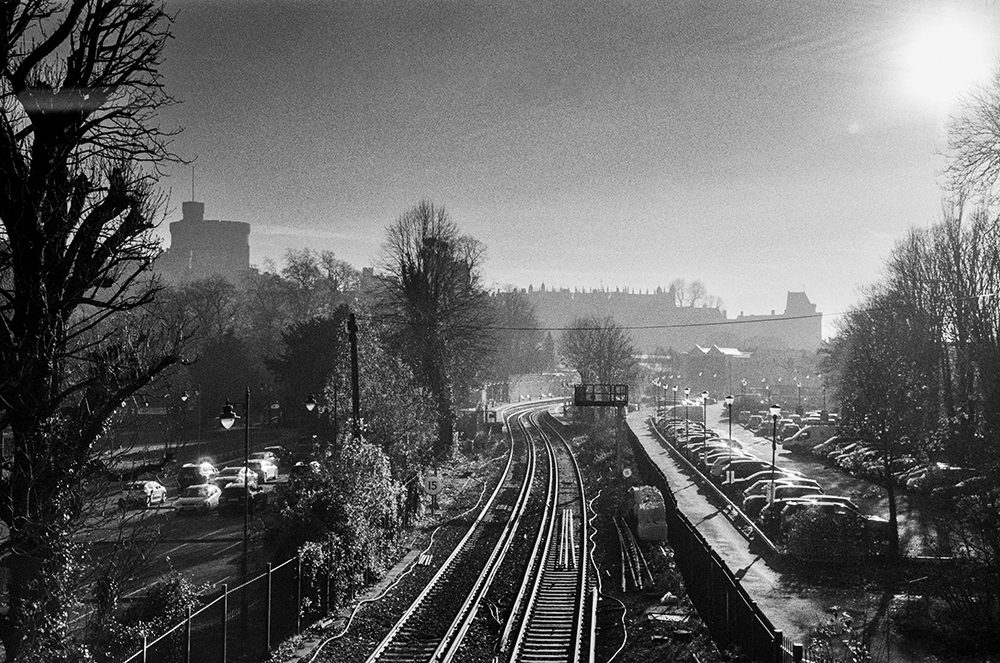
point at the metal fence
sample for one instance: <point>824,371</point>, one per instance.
<point>731,615</point>
<point>243,623</point>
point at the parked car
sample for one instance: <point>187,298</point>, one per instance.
<point>265,469</point>
<point>264,455</point>
<point>233,497</point>
<point>720,464</point>
<point>877,528</point>
<point>281,453</point>
<point>191,474</point>
<point>201,497</point>
<point>746,475</point>
<point>836,452</point>
<point>136,494</point>
<point>808,437</point>
<point>823,448</point>
<point>228,475</point>
<point>787,429</point>
<point>752,504</point>
<point>937,475</point>
<point>964,487</point>
<point>862,461</point>
<point>302,468</point>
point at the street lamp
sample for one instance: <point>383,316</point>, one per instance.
<point>775,413</point>
<point>310,403</point>
<point>227,418</point>
<point>673,410</point>
<point>704,422</point>
<point>687,390</point>
<point>729,404</point>
<point>197,396</point>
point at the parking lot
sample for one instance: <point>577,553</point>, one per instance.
<point>917,517</point>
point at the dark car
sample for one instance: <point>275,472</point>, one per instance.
<point>232,498</point>
<point>193,474</point>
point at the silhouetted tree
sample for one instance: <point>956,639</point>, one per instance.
<point>436,307</point>
<point>974,141</point>
<point>312,353</point>
<point>517,345</point>
<point>79,89</point>
<point>600,350</point>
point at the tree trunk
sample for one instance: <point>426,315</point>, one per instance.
<point>890,490</point>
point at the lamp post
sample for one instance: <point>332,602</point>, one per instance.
<point>227,418</point>
<point>687,390</point>
<point>673,410</point>
<point>775,412</point>
<point>729,404</point>
<point>184,399</point>
<point>704,422</point>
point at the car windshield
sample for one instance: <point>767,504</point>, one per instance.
<point>136,485</point>
<point>196,491</point>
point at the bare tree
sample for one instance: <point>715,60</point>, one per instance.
<point>974,141</point>
<point>693,293</point>
<point>600,350</point>
<point>518,341</point>
<point>79,150</point>
<point>436,306</point>
<point>316,283</point>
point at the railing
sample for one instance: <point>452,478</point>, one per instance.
<point>732,616</point>
<point>243,623</point>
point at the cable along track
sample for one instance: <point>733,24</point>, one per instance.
<point>432,627</point>
<point>553,617</point>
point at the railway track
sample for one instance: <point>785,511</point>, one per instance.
<point>553,614</point>
<point>433,626</point>
<point>633,562</point>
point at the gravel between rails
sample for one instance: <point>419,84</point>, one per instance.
<point>373,620</point>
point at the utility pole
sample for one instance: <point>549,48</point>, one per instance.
<point>620,411</point>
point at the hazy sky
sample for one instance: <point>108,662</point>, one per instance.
<point>758,146</point>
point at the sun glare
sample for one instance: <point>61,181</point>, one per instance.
<point>946,56</point>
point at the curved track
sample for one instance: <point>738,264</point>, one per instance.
<point>433,626</point>
<point>553,614</point>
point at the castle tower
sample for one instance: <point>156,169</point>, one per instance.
<point>200,247</point>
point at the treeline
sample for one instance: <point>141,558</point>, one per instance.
<point>916,368</point>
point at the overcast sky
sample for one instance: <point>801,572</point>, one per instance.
<point>760,146</point>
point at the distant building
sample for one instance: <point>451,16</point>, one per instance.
<point>200,247</point>
<point>800,327</point>
<point>657,322</point>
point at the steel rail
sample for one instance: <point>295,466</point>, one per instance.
<point>536,559</point>
<point>453,638</point>
<point>550,592</point>
<point>395,645</point>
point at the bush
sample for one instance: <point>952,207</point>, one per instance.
<point>817,533</point>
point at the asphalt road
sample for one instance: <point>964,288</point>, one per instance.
<point>206,548</point>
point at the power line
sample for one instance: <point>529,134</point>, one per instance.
<point>681,325</point>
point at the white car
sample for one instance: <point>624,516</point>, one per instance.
<point>264,455</point>
<point>200,497</point>
<point>265,469</point>
<point>142,494</point>
<point>234,473</point>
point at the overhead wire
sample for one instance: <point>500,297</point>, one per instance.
<point>762,319</point>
